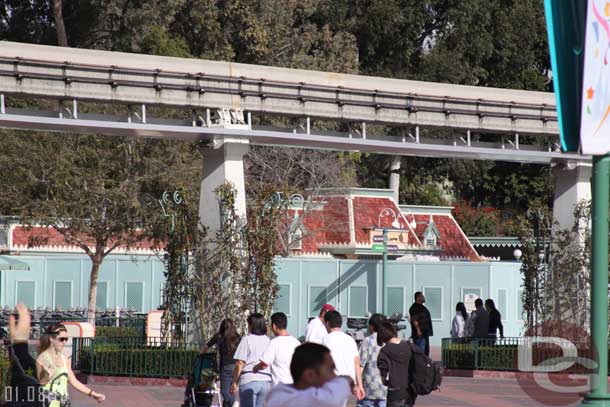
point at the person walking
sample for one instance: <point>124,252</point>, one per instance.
<point>458,325</point>
<point>253,386</point>
<point>495,320</point>
<point>226,341</point>
<point>279,352</point>
<point>54,372</point>
<point>316,329</point>
<point>481,320</point>
<point>393,363</point>
<point>343,350</point>
<point>315,383</point>
<point>421,323</point>
<point>374,390</point>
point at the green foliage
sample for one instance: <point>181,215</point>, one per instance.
<point>147,362</point>
<point>116,331</point>
<point>5,379</point>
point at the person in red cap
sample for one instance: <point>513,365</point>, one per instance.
<point>316,329</point>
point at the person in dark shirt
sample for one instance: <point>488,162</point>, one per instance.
<point>24,386</point>
<point>480,316</point>
<point>495,320</point>
<point>393,364</point>
<point>226,341</point>
<point>421,323</point>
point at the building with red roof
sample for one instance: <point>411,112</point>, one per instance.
<point>349,223</point>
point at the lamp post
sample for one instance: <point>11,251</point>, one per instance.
<point>396,225</point>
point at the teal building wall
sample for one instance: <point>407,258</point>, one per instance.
<point>352,286</point>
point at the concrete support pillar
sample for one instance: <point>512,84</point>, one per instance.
<point>395,176</point>
<point>572,185</point>
<point>222,162</point>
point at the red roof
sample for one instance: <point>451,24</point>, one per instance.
<point>330,224</point>
<point>24,237</point>
<point>453,241</point>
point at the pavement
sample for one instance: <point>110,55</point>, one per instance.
<point>455,391</point>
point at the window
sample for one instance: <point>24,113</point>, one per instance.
<point>501,304</point>
<point>434,302</point>
<point>520,310</point>
<point>101,299</point>
<point>26,293</point>
<point>396,300</point>
<point>134,296</point>
<point>317,298</point>
<point>282,302</point>
<point>357,302</point>
<point>296,240</point>
<point>62,294</point>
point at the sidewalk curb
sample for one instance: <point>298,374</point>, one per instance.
<point>132,381</point>
<point>501,374</point>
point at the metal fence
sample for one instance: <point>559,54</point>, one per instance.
<point>133,356</point>
<point>507,354</point>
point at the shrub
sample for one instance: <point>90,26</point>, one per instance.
<point>111,360</point>
<point>116,331</point>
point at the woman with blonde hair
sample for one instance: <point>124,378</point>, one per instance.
<point>54,372</point>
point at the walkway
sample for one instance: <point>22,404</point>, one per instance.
<point>456,392</point>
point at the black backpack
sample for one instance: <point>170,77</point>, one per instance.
<point>425,374</point>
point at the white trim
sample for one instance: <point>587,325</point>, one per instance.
<point>423,290</point>
<point>309,287</point>
<point>289,313</point>
<point>17,290</point>
<point>404,310</point>
<point>125,293</point>
<point>349,301</point>
<point>470,288</point>
<point>505,315</point>
<point>54,302</point>
<point>350,215</point>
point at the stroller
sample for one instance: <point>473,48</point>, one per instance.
<point>201,385</point>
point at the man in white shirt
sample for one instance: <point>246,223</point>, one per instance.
<point>279,352</point>
<point>315,383</point>
<point>343,350</point>
<point>316,329</point>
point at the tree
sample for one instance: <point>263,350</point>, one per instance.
<point>293,171</point>
<point>58,17</point>
<point>87,188</point>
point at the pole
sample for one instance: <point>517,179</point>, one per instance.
<point>383,270</point>
<point>599,282</point>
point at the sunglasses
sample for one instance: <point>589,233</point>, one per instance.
<point>64,339</point>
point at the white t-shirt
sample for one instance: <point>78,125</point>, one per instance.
<point>316,331</point>
<point>343,350</point>
<point>279,355</point>
<point>334,393</point>
<point>250,350</point>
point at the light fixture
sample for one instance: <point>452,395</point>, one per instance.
<point>517,253</point>
<point>389,211</point>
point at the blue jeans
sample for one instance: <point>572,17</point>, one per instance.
<point>371,403</point>
<point>422,343</point>
<point>226,377</point>
<point>253,394</point>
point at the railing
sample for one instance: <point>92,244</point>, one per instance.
<point>505,354</point>
<point>140,357</point>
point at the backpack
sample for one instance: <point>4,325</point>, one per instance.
<point>425,374</point>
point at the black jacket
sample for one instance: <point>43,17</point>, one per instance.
<point>419,313</point>
<point>495,323</point>
<point>393,364</point>
<point>24,387</point>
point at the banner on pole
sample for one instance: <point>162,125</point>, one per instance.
<point>595,112</point>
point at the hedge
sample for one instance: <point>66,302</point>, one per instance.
<point>116,331</point>
<point>110,360</point>
<point>499,357</point>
